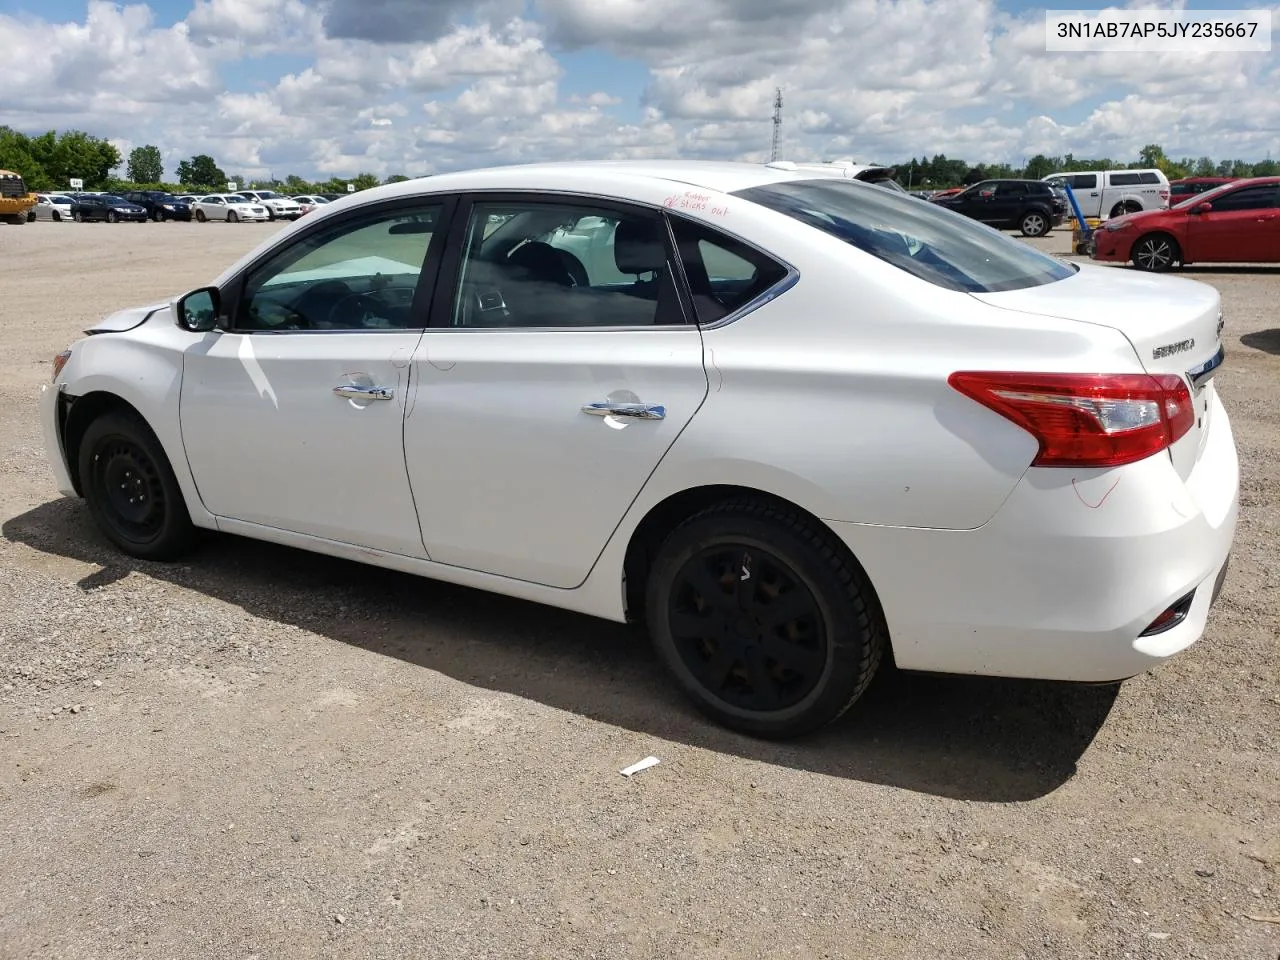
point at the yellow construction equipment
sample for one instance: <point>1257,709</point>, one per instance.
<point>15,202</point>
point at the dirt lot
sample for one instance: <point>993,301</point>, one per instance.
<point>263,753</point>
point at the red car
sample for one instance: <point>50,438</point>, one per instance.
<point>1238,222</point>
<point>1181,189</point>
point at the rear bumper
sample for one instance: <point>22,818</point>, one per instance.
<point>1063,581</point>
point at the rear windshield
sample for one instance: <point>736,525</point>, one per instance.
<point>926,240</point>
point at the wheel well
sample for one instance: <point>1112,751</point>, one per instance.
<point>665,516</point>
<point>76,416</point>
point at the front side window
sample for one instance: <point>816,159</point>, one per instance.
<point>1084,181</point>
<point>923,239</point>
<point>359,274</point>
<point>559,264</point>
<point>1252,198</point>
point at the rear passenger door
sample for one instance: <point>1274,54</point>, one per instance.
<point>1007,204</point>
<point>560,365</point>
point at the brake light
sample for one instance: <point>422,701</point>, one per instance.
<point>1087,420</point>
<point>59,362</point>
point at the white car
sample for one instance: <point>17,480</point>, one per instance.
<point>278,206</point>
<point>227,206</point>
<point>792,421</point>
<point>309,203</point>
<point>52,206</point>
<point>1114,193</point>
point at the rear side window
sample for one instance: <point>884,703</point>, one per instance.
<point>925,240</point>
<point>1084,181</point>
<point>1125,179</point>
<point>1011,190</point>
<point>724,274</point>
<point>1148,178</point>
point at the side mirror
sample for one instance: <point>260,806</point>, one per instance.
<point>1202,207</point>
<point>198,310</point>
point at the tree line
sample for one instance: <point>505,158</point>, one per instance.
<point>49,162</point>
<point>940,171</point>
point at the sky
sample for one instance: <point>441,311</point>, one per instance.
<point>323,88</point>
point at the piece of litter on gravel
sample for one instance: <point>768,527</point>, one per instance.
<point>1159,936</point>
<point>1261,919</point>
<point>644,764</point>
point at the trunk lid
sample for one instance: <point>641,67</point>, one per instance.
<point>1174,325</point>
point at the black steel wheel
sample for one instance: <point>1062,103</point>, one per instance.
<point>763,618</point>
<point>131,490</point>
<point>1156,252</point>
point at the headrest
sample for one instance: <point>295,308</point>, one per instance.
<point>638,248</point>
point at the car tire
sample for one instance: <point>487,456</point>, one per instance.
<point>31,216</point>
<point>1034,224</point>
<point>131,490</point>
<point>231,217</point>
<point>762,669</point>
<point>1156,252</point>
<point>271,215</point>
<point>112,217</point>
<point>57,217</point>
<point>200,217</point>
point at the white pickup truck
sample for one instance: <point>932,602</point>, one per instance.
<point>279,207</point>
<point>1113,193</point>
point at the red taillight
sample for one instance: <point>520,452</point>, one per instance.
<point>59,362</point>
<point>1087,420</point>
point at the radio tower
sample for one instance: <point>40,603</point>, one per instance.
<point>777,125</point>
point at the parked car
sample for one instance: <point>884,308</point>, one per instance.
<point>1239,222</point>
<point>1113,193</point>
<point>230,207</point>
<point>876,173</point>
<point>790,422</point>
<point>159,205</point>
<point>52,206</point>
<point>106,206</point>
<point>1031,206</point>
<point>278,206</point>
<point>308,202</point>
<point>1181,189</point>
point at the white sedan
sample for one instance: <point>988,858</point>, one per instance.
<point>52,206</point>
<point>792,421</point>
<point>230,207</point>
<point>308,203</point>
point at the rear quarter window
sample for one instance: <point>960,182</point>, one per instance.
<point>1125,179</point>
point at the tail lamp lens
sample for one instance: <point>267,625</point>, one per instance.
<point>1087,420</point>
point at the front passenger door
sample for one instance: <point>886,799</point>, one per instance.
<point>293,418</point>
<point>1243,226</point>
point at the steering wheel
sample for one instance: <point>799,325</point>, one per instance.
<point>354,310</point>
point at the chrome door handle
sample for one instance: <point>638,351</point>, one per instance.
<point>349,391</point>
<point>636,411</point>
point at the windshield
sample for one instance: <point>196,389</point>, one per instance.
<point>59,199</point>
<point>268,195</point>
<point>236,200</point>
<point>112,198</point>
<point>930,242</point>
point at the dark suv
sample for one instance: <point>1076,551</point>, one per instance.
<point>160,205</point>
<point>1032,206</point>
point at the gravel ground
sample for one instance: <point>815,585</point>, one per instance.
<point>264,753</point>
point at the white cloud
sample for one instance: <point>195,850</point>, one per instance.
<point>402,86</point>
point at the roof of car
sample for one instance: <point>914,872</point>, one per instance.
<point>720,176</point>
